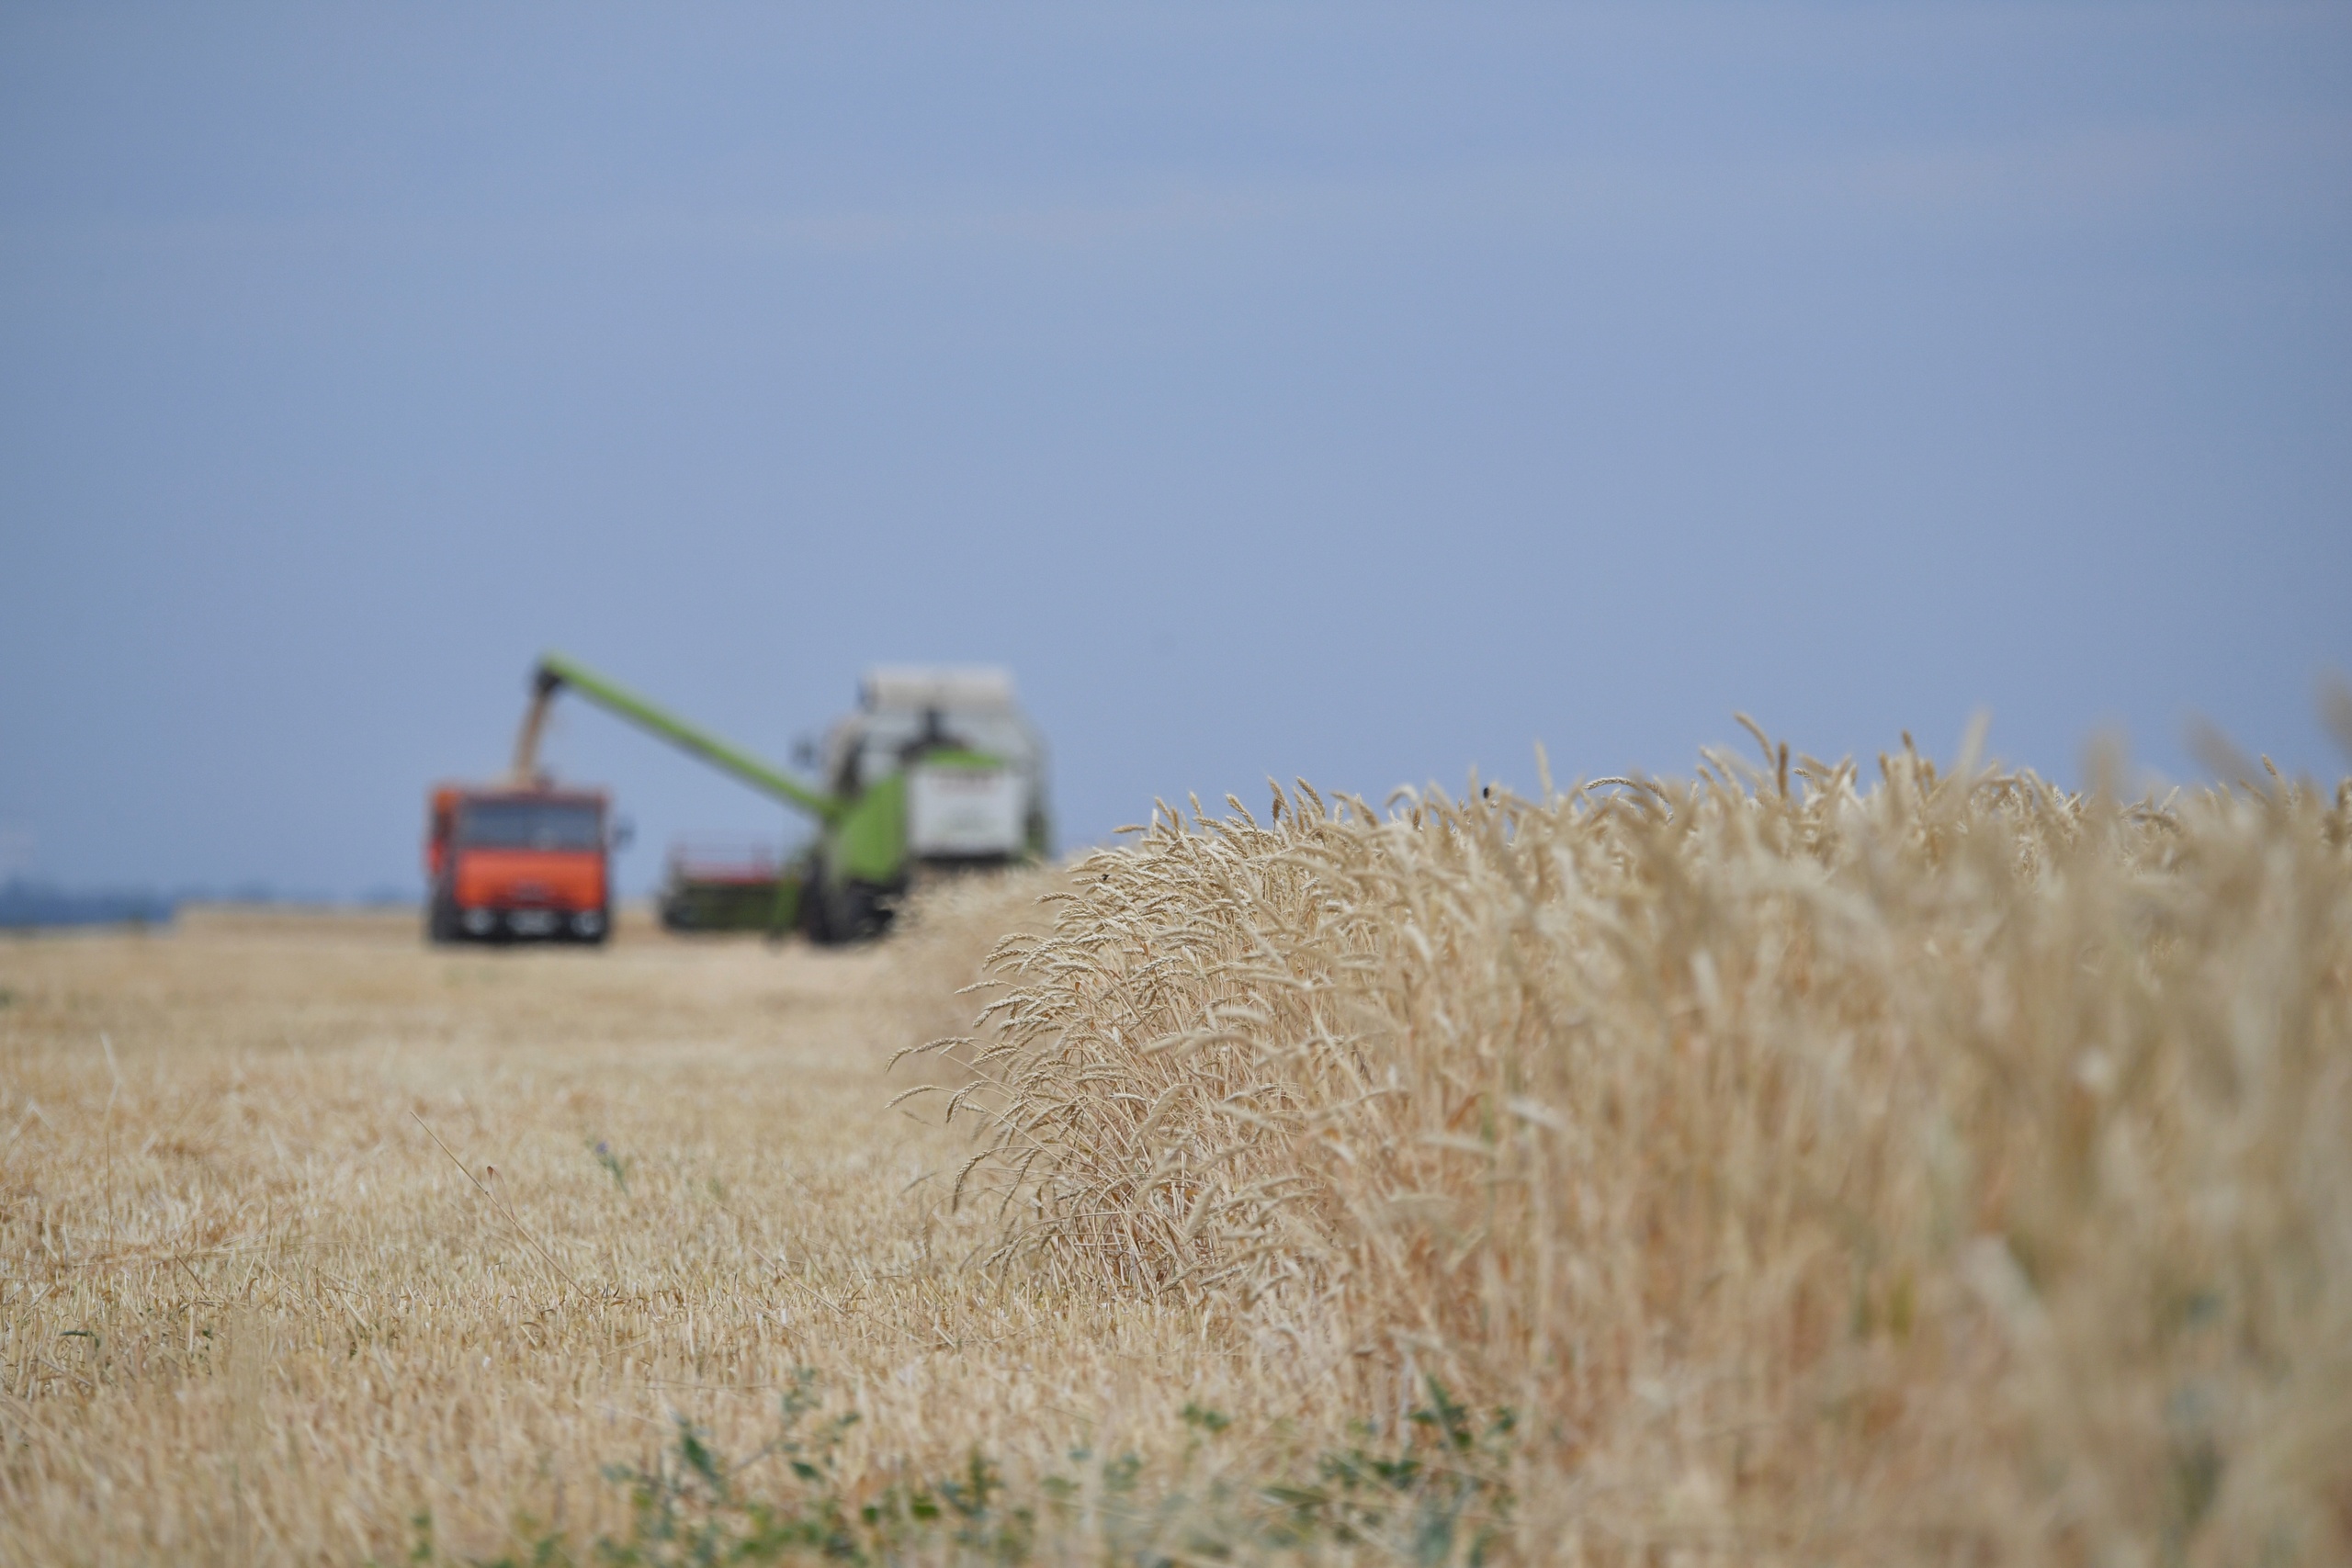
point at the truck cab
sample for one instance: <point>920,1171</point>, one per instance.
<point>507,863</point>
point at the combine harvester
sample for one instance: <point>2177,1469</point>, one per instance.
<point>938,770</point>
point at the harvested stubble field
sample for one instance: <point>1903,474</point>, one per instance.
<point>1753,1167</point>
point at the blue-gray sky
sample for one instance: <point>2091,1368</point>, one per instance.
<point>1362,391</point>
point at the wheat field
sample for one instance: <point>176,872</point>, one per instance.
<point>1772,1165</point>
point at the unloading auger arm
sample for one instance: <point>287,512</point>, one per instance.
<point>555,672</point>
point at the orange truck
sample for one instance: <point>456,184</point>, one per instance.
<point>518,862</point>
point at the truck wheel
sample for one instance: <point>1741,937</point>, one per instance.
<point>441,921</point>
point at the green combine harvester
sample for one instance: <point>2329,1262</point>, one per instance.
<point>938,770</point>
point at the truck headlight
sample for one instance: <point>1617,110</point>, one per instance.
<point>588,922</point>
<point>480,921</point>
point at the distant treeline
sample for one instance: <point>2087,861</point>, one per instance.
<point>26,903</point>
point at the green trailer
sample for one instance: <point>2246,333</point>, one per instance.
<point>710,886</point>
<point>937,771</point>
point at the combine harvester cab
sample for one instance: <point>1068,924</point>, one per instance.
<point>518,862</point>
<point>966,767</point>
<point>938,770</point>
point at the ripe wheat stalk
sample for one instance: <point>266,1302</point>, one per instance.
<point>1954,1168</point>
